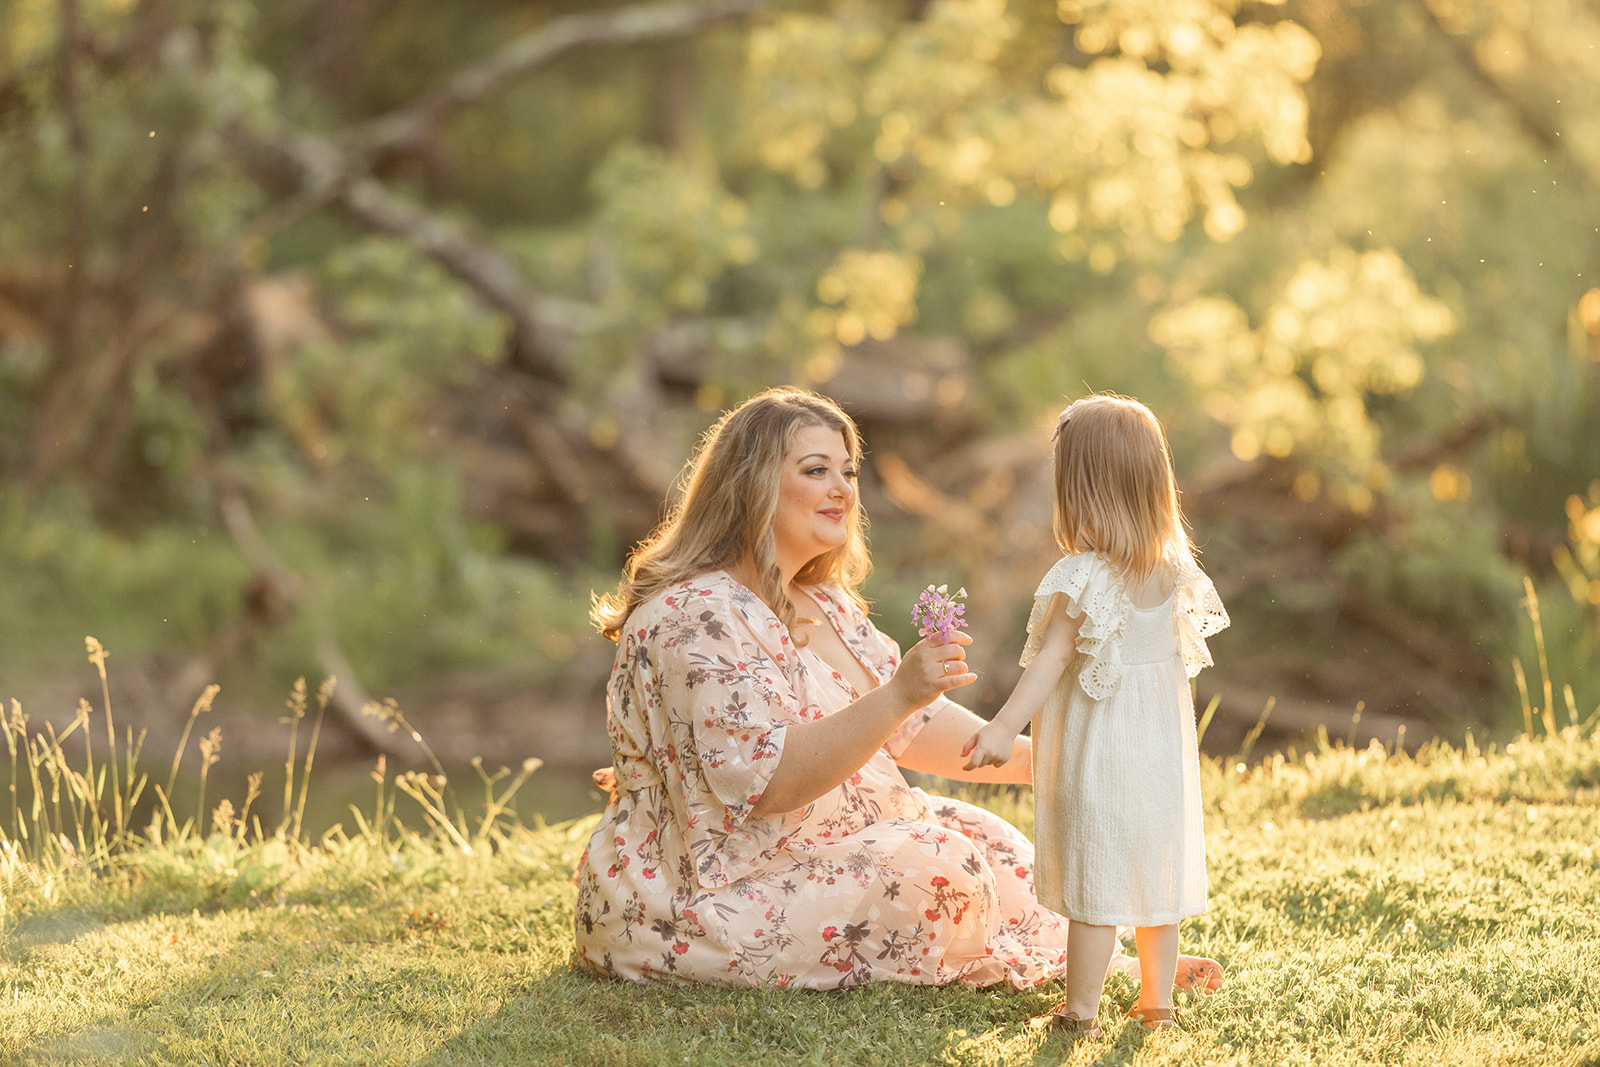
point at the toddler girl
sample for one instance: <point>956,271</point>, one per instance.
<point>1117,629</point>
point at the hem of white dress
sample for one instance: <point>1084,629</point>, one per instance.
<point>1126,919</point>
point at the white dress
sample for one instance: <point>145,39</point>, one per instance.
<point>1116,766</point>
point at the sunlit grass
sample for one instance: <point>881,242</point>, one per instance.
<point>1371,907</point>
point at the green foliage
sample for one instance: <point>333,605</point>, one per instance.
<point>57,559</point>
<point>1341,235</point>
<point>413,589</point>
<point>675,229</point>
<point>1440,560</point>
<point>1342,331</point>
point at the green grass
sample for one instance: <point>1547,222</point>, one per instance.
<point>1371,908</point>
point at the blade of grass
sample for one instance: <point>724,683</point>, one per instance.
<point>1255,731</point>
<point>297,711</point>
<point>1205,719</point>
<point>97,656</point>
<point>324,694</point>
<point>201,706</point>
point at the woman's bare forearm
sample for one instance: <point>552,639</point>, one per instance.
<point>937,750</point>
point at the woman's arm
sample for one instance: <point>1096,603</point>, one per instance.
<point>819,755</point>
<point>995,743</point>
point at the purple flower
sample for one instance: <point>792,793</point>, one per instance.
<point>937,615</point>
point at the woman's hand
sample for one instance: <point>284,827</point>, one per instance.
<point>929,670</point>
<point>989,747</point>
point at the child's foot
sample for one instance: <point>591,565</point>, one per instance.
<point>1152,1018</point>
<point>1058,1020</point>
<point>1196,974</point>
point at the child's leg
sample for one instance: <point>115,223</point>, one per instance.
<point>1089,950</point>
<point>1158,963</point>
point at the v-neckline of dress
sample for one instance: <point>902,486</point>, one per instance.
<point>830,617</point>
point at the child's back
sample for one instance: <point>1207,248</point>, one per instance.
<point>1116,773</point>
<point>1117,629</point>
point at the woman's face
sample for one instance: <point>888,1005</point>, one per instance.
<point>816,497</point>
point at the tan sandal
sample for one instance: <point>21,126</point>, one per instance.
<point>1058,1020</point>
<point>1152,1018</point>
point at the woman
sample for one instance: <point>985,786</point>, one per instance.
<point>761,831</point>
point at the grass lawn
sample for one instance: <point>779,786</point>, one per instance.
<point>1370,908</point>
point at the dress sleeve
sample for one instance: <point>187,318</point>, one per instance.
<point>1095,593</point>
<point>1200,614</point>
<point>712,676</point>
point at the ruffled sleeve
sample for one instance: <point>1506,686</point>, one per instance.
<point>1200,614</point>
<point>1094,592</point>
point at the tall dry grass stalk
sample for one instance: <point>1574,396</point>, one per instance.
<point>201,705</point>
<point>61,817</point>
<point>97,656</point>
<point>69,815</point>
<point>1546,710</point>
<point>324,694</point>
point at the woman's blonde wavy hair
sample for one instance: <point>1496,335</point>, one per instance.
<point>725,510</point>
<point>1115,490</point>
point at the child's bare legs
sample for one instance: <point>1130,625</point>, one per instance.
<point>1089,950</point>
<point>1158,964</point>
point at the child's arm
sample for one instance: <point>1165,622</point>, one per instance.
<point>994,743</point>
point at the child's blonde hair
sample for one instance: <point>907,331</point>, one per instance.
<point>1115,490</point>
<point>725,514</point>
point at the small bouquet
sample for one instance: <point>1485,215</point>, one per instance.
<point>937,614</point>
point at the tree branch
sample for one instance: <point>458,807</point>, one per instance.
<point>527,53</point>
<point>349,698</point>
<point>538,331</point>
<point>54,436</point>
<point>335,170</point>
<point>324,174</point>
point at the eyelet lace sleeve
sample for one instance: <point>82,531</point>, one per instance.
<point>1095,592</point>
<point>1200,614</point>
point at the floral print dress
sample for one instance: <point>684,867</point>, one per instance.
<point>874,881</point>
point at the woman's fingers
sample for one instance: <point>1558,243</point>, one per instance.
<point>953,673</point>
<point>953,654</point>
<point>932,669</point>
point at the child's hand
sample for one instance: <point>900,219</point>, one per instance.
<point>990,746</point>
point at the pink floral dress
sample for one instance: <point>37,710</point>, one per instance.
<point>874,881</point>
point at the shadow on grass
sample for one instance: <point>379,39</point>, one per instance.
<point>572,1018</point>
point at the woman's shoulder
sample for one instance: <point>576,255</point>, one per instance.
<point>705,598</point>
